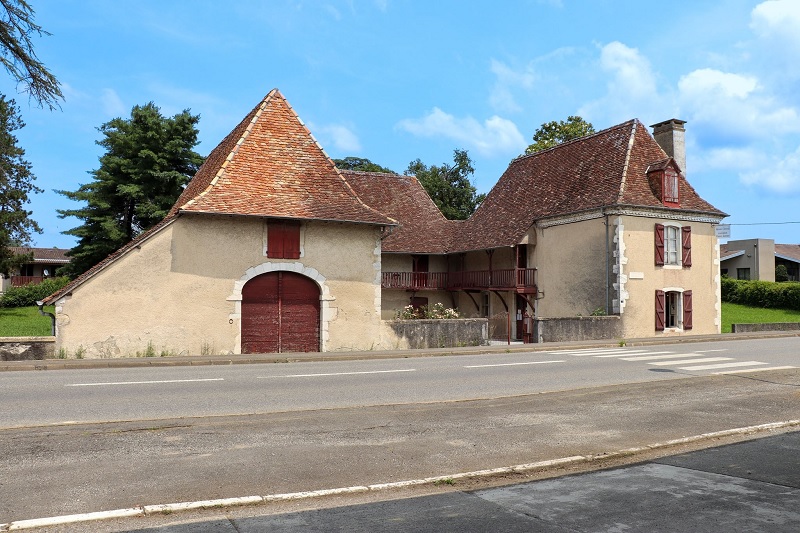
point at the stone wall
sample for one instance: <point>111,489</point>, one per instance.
<point>578,328</point>
<point>441,333</point>
<point>773,326</point>
<point>27,348</point>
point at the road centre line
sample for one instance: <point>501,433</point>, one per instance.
<point>723,365</point>
<point>653,357</point>
<point>692,361</point>
<point>339,374</point>
<point>141,382</point>
<point>513,364</point>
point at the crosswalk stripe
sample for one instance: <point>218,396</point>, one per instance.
<point>691,361</point>
<point>756,369</point>
<point>723,365</point>
<point>619,355</point>
<point>593,351</point>
<point>654,357</point>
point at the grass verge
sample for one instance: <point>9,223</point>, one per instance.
<point>24,322</point>
<point>742,314</point>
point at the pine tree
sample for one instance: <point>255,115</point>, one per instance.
<point>16,183</point>
<point>149,159</point>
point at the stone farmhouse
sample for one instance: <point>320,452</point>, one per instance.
<point>271,248</point>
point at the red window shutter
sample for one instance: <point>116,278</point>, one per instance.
<point>686,245</point>
<point>291,240</point>
<point>661,317</point>
<point>283,239</point>
<point>687,309</point>
<point>659,244</point>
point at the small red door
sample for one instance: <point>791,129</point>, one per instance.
<point>280,313</point>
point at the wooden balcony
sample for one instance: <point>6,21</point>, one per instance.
<point>20,281</point>
<point>521,280</point>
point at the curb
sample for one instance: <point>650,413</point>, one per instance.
<point>147,510</point>
<point>224,360</point>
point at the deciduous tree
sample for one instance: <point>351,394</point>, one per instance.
<point>449,185</point>
<point>16,183</point>
<point>553,133</point>
<point>149,159</point>
<point>360,163</point>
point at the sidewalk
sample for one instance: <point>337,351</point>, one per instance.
<point>204,360</point>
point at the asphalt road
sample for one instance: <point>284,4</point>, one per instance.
<point>746,487</point>
<point>137,394</point>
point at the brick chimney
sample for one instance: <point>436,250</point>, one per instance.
<point>671,136</point>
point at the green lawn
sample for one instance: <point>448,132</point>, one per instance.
<point>24,322</point>
<point>742,314</point>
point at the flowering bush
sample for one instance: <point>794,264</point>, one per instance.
<point>435,312</point>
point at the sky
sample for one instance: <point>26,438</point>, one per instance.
<point>397,80</point>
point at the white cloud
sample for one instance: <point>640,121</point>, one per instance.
<point>782,176</point>
<point>495,136</point>
<point>631,90</point>
<point>501,97</point>
<point>733,106</point>
<point>112,104</point>
<point>777,19</point>
<point>338,136</point>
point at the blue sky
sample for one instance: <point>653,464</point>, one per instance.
<point>396,80</point>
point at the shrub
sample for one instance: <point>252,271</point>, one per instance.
<point>754,293</point>
<point>435,312</point>
<point>781,273</point>
<point>28,295</point>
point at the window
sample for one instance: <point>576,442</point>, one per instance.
<point>742,273</point>
<point>670,195</point>
<point>673,310</point>
<point>673,245</point>
<point>283,239</point>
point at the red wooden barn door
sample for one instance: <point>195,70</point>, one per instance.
<point>280,313</point>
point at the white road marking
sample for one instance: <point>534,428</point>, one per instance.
<point>691,361</point>
<point>717,350</point>
<point>514,364</point>
<point>589,351</point>
<point>338,374</point>
<point>724,365</point>
<point>756,369</point>
<point>643,352</point>
<point>141,382</point>
<point>654,357</point>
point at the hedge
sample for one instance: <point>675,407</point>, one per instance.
<point>785,295</point>
<point>28,295</point>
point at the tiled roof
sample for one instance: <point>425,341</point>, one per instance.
<point>42,255</point>
<point>605,169</point>
<point>271,166</point>
<point>790,251</point>
<point>423,229</point>
<point>725,253</point>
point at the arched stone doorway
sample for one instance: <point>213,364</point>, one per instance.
<point>280,313</point>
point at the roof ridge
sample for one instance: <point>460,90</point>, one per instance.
<point>221,171</point>
<point>625,166</point>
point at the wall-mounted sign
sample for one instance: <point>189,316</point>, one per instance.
<point>723,231</point>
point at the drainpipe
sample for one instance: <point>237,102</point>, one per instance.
<point>52,318</point>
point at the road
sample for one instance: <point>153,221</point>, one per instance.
<point>83,441</point>
<point>130,394</point>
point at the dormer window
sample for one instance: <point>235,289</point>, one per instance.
<point>664,178</point>
<point>670,195</point>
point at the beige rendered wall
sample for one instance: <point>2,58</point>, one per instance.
<point>571,268</point>
<point>179,292</point>
<point>640,277</point>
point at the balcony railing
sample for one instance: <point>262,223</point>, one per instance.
<point>523,279</point>
<point>20,281</point>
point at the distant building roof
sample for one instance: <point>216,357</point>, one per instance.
<point>43,255</point>
<point>790,252</point>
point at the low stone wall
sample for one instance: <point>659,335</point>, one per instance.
<point>576,328</point>
<point>772,326</point>
<point>27,348</point>
<point>442,333</point>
